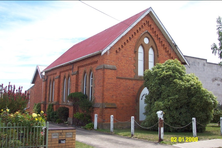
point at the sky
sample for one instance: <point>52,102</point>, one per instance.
<point>38,32</point>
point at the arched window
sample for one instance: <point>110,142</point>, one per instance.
<point>50,91</point>
<point>64,90</point>
<point>146,54</point>
<point>140,61</point>
<point>91,86</point>
<point>84,83</point>
<point>53,90</point>
<point>68,90</point>
<point>151,58</point>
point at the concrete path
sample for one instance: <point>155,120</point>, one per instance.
<point>102,140</point>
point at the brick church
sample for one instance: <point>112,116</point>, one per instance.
<point>108,67</point>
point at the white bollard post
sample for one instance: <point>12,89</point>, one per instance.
<point>221,125</point>
<point>194,127</point>
<point>95,121</point>
<point>132,126</point>
<point>111,123</point>
<point>160,127</point>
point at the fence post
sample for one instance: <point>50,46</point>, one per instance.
<point>95,121</point>
<point>132,126</point>
<point>221,125</point>
<point>160,127</point>
<point>47,132</point>
<point>194,127</point>
<point>111,123</point>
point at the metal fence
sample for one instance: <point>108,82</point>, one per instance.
<point>21,136</point>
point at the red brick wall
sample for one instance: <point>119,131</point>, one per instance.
<point>35,92</point>
<point>119,86</point>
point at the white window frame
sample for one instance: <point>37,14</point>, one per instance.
<point>140,61</point>
<point>53,90</point>
<point>64,90</point>
<point>151,58</point>
<point>90,86</point>
<point>50,91</point>
<point>84,83</point>
<point>68,90</point>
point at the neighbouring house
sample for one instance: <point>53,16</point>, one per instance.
<point>108,67</point>
<point>210,74</point>
<point>35,91</point>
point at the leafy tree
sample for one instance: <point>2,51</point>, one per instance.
<point>214,48</point>
<point>181,96</point>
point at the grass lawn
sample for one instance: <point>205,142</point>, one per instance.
<point>212,132</point>
<point>82,145</point>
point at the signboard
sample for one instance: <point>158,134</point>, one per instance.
<point>55,135</point>
<point>69,135</point>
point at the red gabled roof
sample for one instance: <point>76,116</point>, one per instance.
<point>103,41</point>
<point>94,44</point>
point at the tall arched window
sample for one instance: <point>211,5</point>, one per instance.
<point>84,83</point>
<point>53,90</point>
<point>64,90</point>
<point>68,90</point>
<point>50,91</point>
<point>140,61</point>
<point>151,58</point>
<point>146,54</point>
<point>91,86</point>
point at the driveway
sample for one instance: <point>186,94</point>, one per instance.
<point>103,140</point>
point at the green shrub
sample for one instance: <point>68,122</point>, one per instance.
<point>49,112</point>
<point>80,102</point>
<point>81,119</point>
<point>63,113</point>
<point>181,96</point>
<point>217,114</point>
<point>83,105</point>
<point>89,126</point>
<point>59,121</point>
<point>54,116</point>
<point>37,108</point>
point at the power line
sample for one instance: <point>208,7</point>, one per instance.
<point>102,12</point>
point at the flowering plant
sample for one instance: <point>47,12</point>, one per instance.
<point>24,119</point>
<point>13,99</point>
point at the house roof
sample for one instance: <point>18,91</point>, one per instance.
<point>38,71</point>
<point>103,41</point>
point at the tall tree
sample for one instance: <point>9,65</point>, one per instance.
<point>215,49</point>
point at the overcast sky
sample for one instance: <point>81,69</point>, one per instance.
<point>38,32</point>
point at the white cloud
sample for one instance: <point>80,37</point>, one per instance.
<point>38,32</point>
